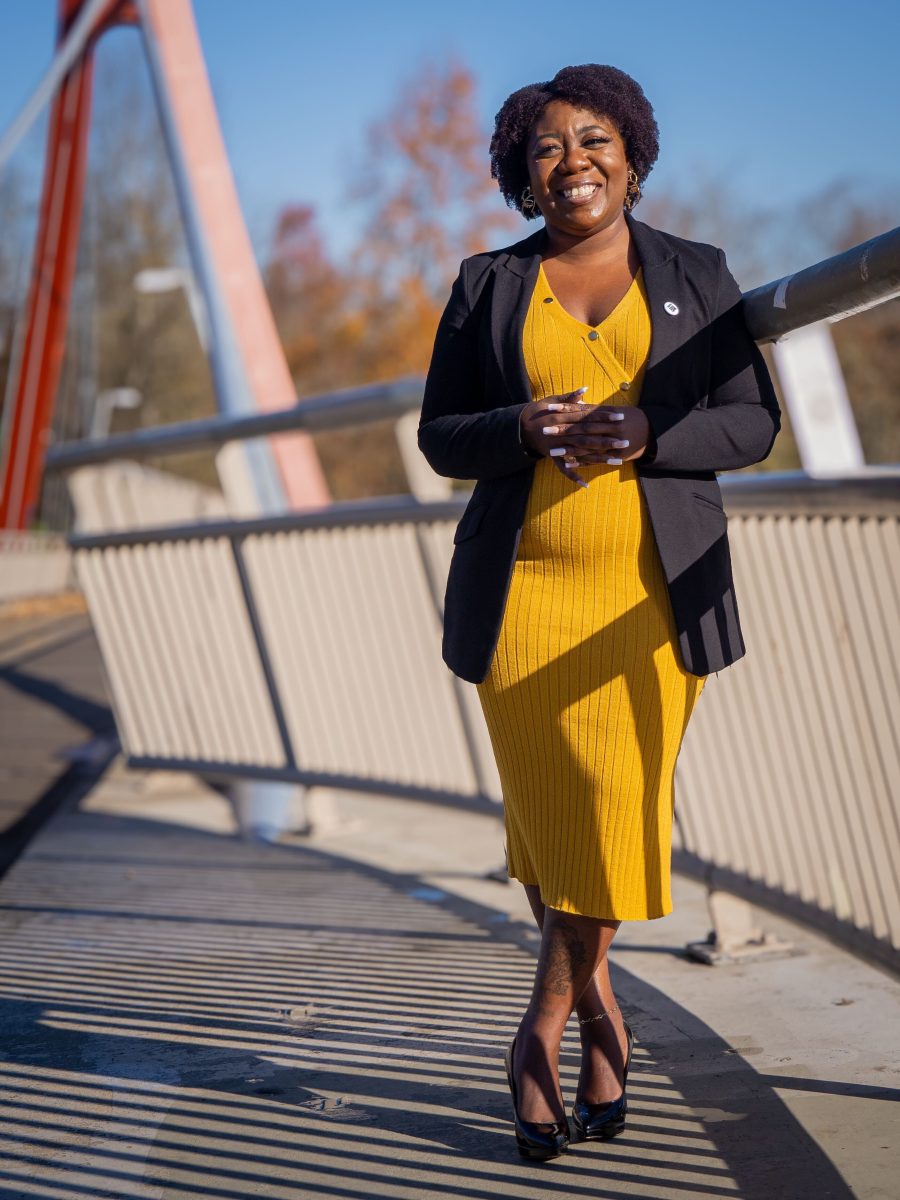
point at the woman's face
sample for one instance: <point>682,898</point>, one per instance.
<point>577,168</point>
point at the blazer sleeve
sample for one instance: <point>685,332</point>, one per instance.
<point>456,436</point>
<point>742,418</point>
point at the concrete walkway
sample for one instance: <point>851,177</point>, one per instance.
<point>56,728</point>
<point>185,1014</point>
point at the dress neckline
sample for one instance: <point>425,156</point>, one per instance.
<point>583,324</point>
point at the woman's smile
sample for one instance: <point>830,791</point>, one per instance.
<point>581,193</point>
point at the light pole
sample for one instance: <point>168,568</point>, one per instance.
<point>154,280</point>
<point>120,397</point>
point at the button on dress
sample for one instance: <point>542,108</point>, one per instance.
<point>586,701</point>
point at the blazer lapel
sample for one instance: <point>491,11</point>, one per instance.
<point>513,288</point>
<point>663,284</point>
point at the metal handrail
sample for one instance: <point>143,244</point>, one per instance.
<point>787,493</point>
<point>332,410</point>
<point>796,493</point>
<point>836,288</point>
<point>831,290</point>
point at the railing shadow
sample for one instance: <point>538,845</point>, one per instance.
<point>187,1014</point>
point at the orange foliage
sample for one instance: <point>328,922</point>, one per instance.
<point>307,294</point>
<point>428,183</point>
<point>430,202</point>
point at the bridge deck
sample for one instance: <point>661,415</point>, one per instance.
<point>188,1014</point>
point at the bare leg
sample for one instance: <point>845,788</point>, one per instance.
<point>603,1042</point>
<point>572,949</point>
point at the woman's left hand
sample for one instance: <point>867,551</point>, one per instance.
<point>595,433</point>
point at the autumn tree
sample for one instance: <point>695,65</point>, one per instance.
<point>309,297</point>
<point>428,188</point>
<point>429,201</point>
<point>868,343</point>
<point>766,243</point>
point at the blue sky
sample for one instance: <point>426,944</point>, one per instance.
<point>781,98</point>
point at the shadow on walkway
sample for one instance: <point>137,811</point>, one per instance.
<point>189,1015</point>
<point>52,696</point>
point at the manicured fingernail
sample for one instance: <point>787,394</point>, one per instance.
<point>617,416</point>
<point>621,442</point>
<point>614,462</point>
<point>581,483</point>
<point>558,450</point>
<point>551,429</point>
<point>580,391</point>
<point>555,407</point>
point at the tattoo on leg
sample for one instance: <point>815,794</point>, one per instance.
<point>566,954</point>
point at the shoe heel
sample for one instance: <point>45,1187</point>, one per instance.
<point>535,1144</point>
<point>613,1128</point>
<point>603,1122</point>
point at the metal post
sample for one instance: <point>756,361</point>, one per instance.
<point>232,388</point>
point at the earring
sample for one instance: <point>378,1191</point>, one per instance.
<point>528,201</point>
<point>633,193</point>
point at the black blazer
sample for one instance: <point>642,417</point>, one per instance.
<point>707,395</point>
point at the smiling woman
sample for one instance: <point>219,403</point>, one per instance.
<point>574,195</point>
<point>602,353</point>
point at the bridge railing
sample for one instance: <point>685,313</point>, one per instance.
<point>789,775</point>
<point>306,647</point>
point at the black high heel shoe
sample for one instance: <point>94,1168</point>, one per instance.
<point>534,1142</point>
<point>604,1121</point>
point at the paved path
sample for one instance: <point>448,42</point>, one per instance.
<point>186,1014</point>
<point>52,704</point>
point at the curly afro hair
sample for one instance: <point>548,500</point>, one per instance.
<point>606,91</point>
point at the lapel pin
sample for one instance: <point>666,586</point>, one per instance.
<point>671,308</point>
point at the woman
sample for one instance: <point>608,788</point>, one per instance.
<point>592,379</point>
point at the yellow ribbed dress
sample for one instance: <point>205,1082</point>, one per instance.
<point>586,701</point>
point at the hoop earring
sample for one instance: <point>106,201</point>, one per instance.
<point>633,193</point>
<point>528,201</point>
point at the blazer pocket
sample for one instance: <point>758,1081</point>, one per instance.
<point>710,502</point>
<point>468,525</point>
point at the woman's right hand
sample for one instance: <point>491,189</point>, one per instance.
<point>541,413</point>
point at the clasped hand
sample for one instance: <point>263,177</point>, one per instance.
<point>574,433</point>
